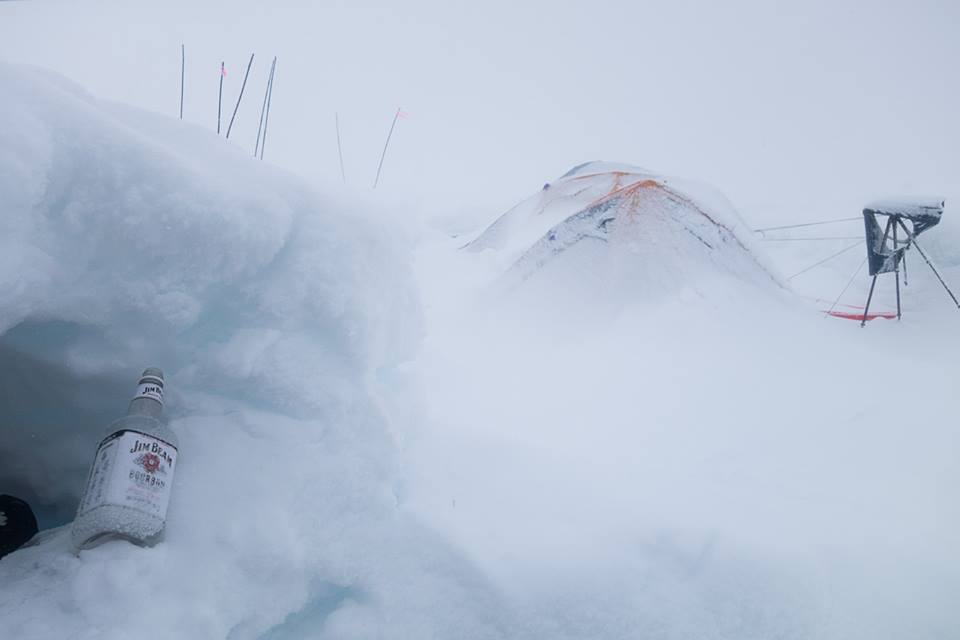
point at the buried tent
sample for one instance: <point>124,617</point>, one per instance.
<point>616,226</point>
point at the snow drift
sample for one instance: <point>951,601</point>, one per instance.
<point>132,239</point>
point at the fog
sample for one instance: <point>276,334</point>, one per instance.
<point>794,109</point>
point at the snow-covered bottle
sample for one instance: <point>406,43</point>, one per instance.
<point>129,485</point>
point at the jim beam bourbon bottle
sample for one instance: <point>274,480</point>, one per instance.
<point>129,484</point>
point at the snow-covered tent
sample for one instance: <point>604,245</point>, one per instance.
<point>618,225</point>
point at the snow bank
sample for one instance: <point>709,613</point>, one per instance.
<point>134,240</point>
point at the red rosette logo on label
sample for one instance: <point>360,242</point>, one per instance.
<point>150,463</point>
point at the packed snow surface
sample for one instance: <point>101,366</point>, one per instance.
<point>385,442</point>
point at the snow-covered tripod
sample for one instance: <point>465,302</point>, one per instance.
<point>883,259</point>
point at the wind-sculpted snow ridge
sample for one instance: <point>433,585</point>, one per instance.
<point>625,227</point>
<point>132,239</point>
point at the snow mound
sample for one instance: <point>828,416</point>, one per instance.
<point>621,226</point>
<point>131,240</point>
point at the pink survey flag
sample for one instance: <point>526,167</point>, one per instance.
<point>223,71</point>
<point>402,114</point>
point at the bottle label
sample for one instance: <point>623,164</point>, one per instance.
<point>133,470</point>
<point>149,390</point>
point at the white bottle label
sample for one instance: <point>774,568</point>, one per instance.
<point>149,390</point>
<point>133,470</point>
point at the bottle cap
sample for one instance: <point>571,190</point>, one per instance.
<point>152,374</point>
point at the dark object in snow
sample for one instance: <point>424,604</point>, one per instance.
<point>546,185</point>
<point>885,259</point>
<point>880,257</point>
<point>17,524</point>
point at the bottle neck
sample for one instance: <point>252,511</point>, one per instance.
<point>148,400</point>
<point>141,406</point>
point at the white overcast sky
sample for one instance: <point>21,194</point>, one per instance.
<point>793,109</point>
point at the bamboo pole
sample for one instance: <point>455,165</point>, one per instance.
<point>343,174</point>
<point>383,155</point>
<point>266,120</point>
<point>263,107</point>
<point>240,97</point>
<point>183,66</point>
<point>223,72</point>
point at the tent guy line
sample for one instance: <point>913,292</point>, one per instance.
<point>805,224</point>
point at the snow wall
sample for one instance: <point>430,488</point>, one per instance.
<point>132,239</point>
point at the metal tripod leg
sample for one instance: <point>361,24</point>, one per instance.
<point>896,269</point>
<point>905,264</point>
<point>913,240</point>
<point>883,243</point>
<point>866,308</point>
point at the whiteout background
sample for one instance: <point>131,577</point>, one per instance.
<point>804,107</point>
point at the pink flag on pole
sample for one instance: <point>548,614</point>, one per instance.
<point>402,114</point>
<point>223,71</point>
